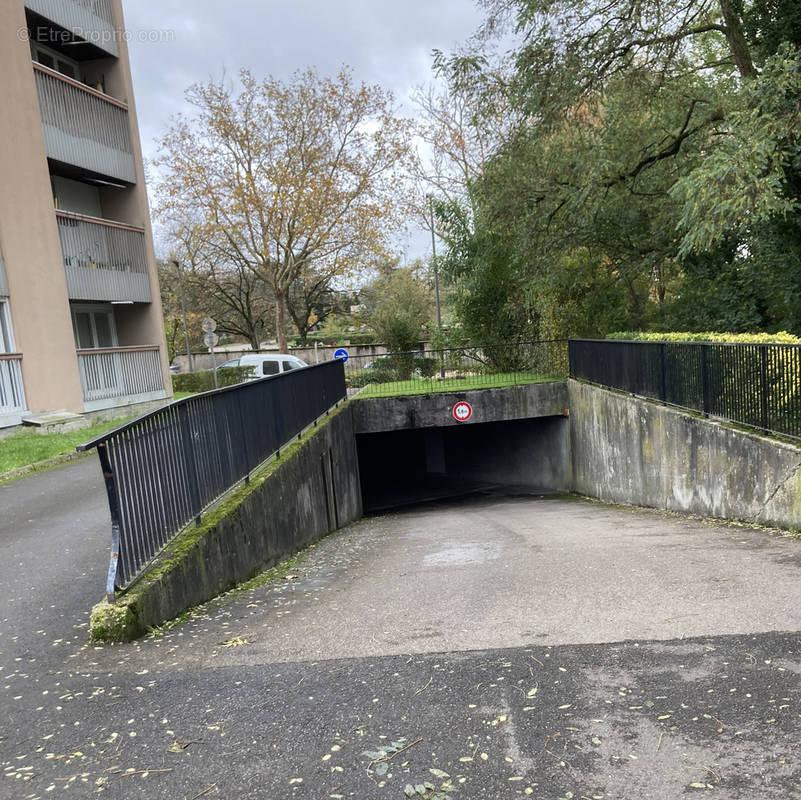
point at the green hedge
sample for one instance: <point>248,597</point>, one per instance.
<point>204,381</point>
<point>782,337</point>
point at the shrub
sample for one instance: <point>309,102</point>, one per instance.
<point>203,381</point>
<point>360,378</point>
<point>426,367</point>
<point>382,371</point>
<point>362,338</point>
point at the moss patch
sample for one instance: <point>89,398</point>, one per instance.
<point>113,622</point>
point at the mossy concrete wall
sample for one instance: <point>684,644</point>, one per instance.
<point>310,491</point>
<point>637,452</point>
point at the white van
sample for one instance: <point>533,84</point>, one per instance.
<point>266,364</point>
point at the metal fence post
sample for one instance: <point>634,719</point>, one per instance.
<point>763,385</point>
<point>245,439</point>
<point>705,377</point>
<point>191,464</point>
<point>663,369</point>
<point>114,512</point>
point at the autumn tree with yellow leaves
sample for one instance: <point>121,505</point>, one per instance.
<point>296,180</point>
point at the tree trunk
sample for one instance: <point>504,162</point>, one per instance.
<point>736,38</point>
<point>280,322</point>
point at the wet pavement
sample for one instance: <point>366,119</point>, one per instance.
<point>494,648</point>
<point>55,536</point>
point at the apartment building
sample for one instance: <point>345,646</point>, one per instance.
<point>81,327</point>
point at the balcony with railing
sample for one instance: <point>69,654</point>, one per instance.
<point>114,376</point>
<point>89,20</point>
<point>84,127</point>
<point>12,393</point>
<point>105,261</point>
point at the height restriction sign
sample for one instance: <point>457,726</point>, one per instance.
<point>462,411</point>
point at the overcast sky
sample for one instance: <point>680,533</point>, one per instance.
<point>175,43</point>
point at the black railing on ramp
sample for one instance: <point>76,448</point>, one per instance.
<point>758,385</point>
<point>163,469</point>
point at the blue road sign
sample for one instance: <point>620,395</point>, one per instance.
<point>343,354</point>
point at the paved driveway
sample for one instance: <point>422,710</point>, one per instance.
<point>504,647</point>
<point>55,537</point>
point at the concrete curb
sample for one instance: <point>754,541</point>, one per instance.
<point>41,466</point>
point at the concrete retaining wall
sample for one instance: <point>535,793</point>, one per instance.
<point>313,490</point>
<point>376,415</point>
<point>612,446</point>
<point>637,452</point>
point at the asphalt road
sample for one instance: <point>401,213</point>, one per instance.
<point>55,536</point>
<point>499,648</point>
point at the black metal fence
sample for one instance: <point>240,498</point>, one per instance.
<point>758,385</point>
<point>163,469</point>
<point>457,368</point>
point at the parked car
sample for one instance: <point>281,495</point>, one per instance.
<point>265,364</point>
<point>232,362</point>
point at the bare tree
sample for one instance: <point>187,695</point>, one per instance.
<point>288,179</point>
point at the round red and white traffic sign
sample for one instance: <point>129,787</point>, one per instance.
<point>462,411</point>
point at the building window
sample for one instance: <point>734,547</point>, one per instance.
<point>50,58</point>
<point>94,327</point>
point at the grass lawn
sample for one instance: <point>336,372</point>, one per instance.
<point>29,447</point>
<point>461,384</point>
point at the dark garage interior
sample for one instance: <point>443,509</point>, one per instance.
<point>402,467</point>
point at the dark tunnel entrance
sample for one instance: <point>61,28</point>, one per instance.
<point>403,467</point>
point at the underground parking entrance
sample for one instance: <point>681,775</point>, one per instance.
<point>415,450</point>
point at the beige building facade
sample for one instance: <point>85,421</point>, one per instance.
<point>81,326</point>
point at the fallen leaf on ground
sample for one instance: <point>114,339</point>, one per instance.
<point>235,641</point>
